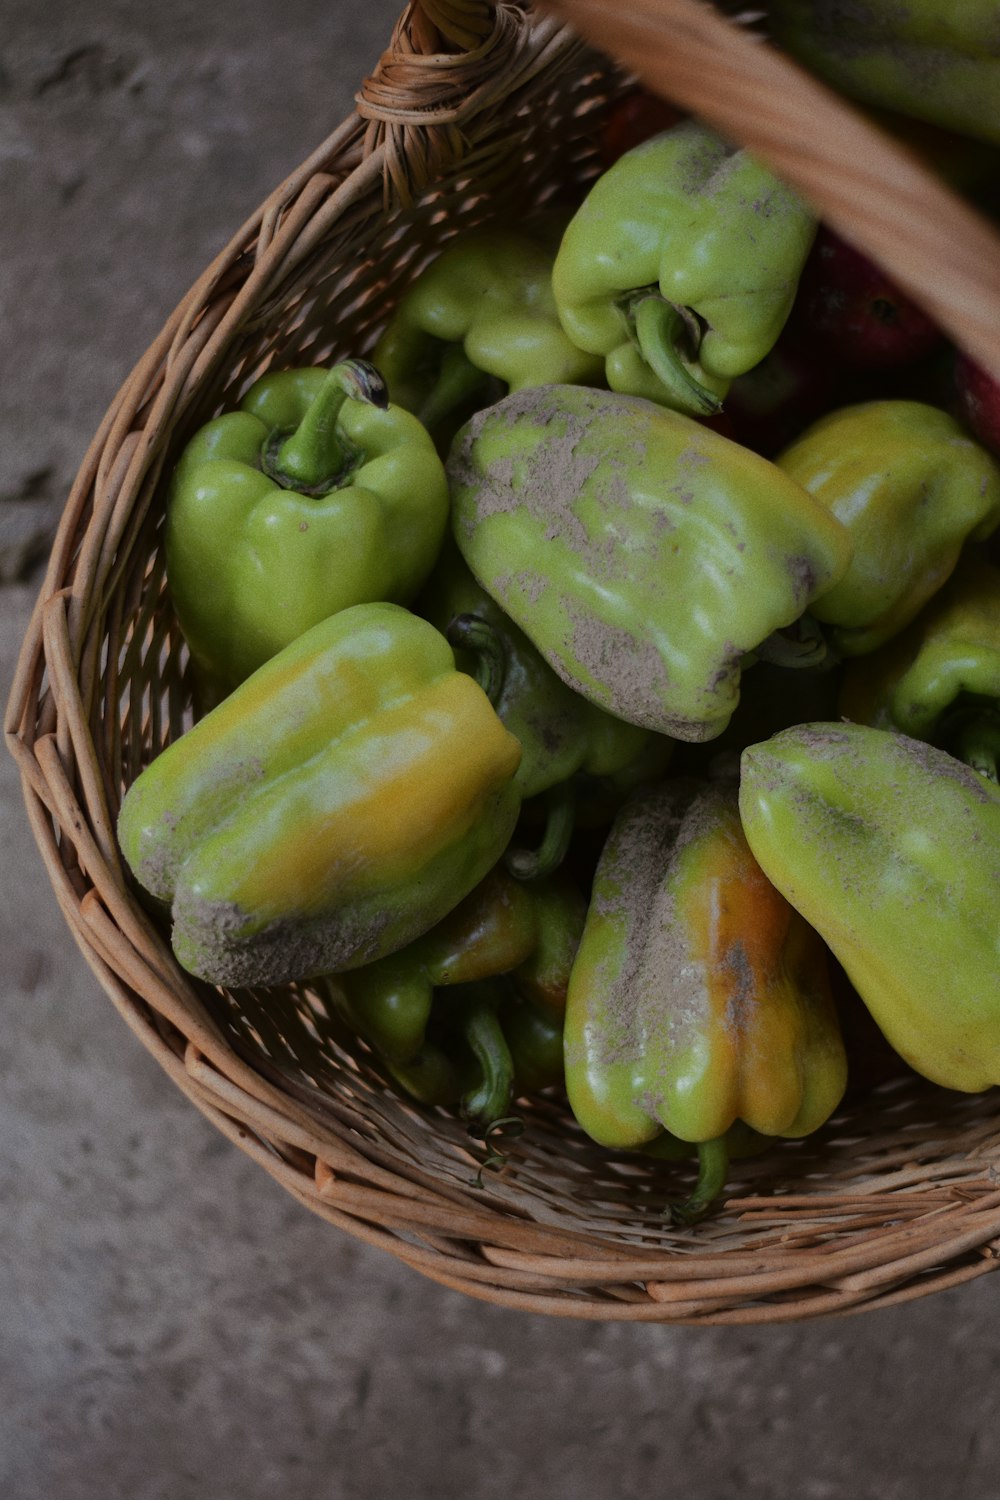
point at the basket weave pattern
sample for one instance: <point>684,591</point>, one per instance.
<point>476,113</point>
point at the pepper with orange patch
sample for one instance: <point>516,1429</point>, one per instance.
<point>698,998</point>
<point>334,807</point>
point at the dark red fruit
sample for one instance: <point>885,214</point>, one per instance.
<point>772,403</point>
<point>854,313</point>
<point>636,117</point>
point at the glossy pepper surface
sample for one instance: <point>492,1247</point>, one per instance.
<point>680,267</point>
<point>939,680</point>
<point>890,848</point>
<point>643,554</point>
<point>911,487</point>
<point>938,60</point>
<point>698,997</point>
<point>481,1041</point>
<point>483,308</point>
<point>313,496</point>
<point>331,809</point>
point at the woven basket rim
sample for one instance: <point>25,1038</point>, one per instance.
<point>908,1230</point>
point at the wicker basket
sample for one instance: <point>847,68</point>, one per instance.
<point>476,111</point>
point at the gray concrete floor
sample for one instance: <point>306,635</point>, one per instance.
<point>173,1326</point>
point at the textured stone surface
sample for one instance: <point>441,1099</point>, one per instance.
<point>174,1326</point>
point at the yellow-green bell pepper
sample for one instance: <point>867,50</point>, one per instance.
<point>330,810</point>
<point>890,849</point>
<point>681,266</point>
<point>698,996</point>
<point>911,487</point>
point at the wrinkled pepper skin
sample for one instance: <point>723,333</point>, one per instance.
<point>911,487</point>
<point>561,733</point>
<point>480,1043</point>
<point>698,997</point>
<point>483,308</point>
<point>890,848</point>
<point>680,267</point>
<point>304,501</point>
<point>939,680</point>
<point>938,60</point>
<point>643,554</point>
<point>331,809</point>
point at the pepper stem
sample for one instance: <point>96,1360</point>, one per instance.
<point>313,457</point>
<point>798,646</point>
<point>713,1167</point>
<point>560,816</point>
<point>472,633</point>
<point>489,1100</point>
<point>458,381</point>
<point>659,328</point>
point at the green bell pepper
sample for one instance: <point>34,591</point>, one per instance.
<point>681,266</point>
<point>643,554</point>
<point>331,809</point>
<point>480,314</point>
<point>938,60</point>
<point>313,496</point>
<point>939,680</point>
<point>698,997</point>
<point>416,1003</point>
<point>890,848</point>
<point>911,487</point>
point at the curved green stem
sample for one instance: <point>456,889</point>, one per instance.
<point>488,1101</point>
<point>560,817</point>
<point>458,382</point>
<point>713,1166</point>
<point>472,633</point>
<point>659,328</point>
<point>313,457</point>
<point>507,1126</point>
<point>798,646</point>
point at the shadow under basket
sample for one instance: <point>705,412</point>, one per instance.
<point>476,113</point>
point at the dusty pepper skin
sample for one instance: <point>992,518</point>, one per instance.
<point>643,554</point>
<point>331,809</point>
<point>698,998</point>
<point>890,848</point>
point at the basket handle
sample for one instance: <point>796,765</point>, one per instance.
<point>871,189</point>
<point>445,59</point>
